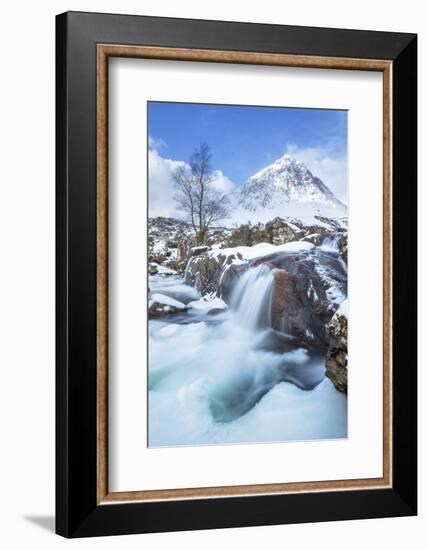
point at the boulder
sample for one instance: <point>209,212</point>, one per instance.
<point>161,305</point>
<point>303,299</point>
<point>183,247</point>
<point>280,231</point>
<point>197,251</point>
<point>337,353</point>
<point>177,265</point>
<point>158,258</point>
<point>157,310</point>
<point>215,311</point>
<point>209,272</point>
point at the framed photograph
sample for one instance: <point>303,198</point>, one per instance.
<point>236,274</point>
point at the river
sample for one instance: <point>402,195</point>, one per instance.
<point>228,378</point>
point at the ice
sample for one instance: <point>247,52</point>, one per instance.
<point>216,384</point>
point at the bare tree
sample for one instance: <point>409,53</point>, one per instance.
<point>200,202</point>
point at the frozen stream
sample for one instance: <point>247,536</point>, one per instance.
<point>226,378</point>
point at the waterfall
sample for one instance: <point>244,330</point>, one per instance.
<point>330,243</point>
<point>251,297</point>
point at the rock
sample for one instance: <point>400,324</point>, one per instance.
<point>215,311</point>
<point>153,270</point>
<point>228,279</point>
<point>301,300</point>
<point>209,272</point>
<point>158,258</point>
<point>177,265</point>
<point>314,238</point>
<point>162,305</point>
<point>281,231</point>
<point>335,224</point>
<point>183,248</point>
<point>197,251</point>
<point>203,272</point>
<point>342,244</point>
<point>337,353</point>
<point>157,310</point>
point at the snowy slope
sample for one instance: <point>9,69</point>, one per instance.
<point>285,188</point>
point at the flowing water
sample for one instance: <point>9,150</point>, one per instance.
<point>229,378</point>
<point>330,243</point>
<point>251,297</point>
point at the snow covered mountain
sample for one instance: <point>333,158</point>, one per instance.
<point>285,188</point>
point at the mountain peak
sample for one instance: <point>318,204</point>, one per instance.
<point>287,180</point>
<point>281,163</point>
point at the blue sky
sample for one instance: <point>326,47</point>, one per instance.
<point>244,139</point>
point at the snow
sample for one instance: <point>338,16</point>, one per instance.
<point>162,270</point>
<point>159,246</point>
<point>207,303</point>
<point>305,212</point>
<point>174,287</point>
<point>334,292</point>
<point>262,249</point>
<point>343,309</point>
<point>296,246</point>
<point>285,186</point>
<point>166,300</point>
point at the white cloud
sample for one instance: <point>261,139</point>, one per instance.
<point>161,185</point>
<point>221,182</point>
<point>331,169</point>
<point>155,143</point>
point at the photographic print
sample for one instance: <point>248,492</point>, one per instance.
<point>247,274</point>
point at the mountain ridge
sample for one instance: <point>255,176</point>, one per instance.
<point>284,187</point>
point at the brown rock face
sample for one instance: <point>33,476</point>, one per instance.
<point>287,310</point>
<point>337,353</point>
<point>301,304</point>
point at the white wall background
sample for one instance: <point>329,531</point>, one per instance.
<point>27,272</point>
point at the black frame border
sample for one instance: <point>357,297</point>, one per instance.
<point>77,512</point>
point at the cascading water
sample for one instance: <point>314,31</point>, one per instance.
<point>330,243</point>
<point>251,298</point>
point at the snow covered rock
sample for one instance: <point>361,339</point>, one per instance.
<point>282,231</point>
<point>337,354</point>
<point>209,304</point>
<point>209,271</point>
<point>197,251</point>
<point>161,305</point>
